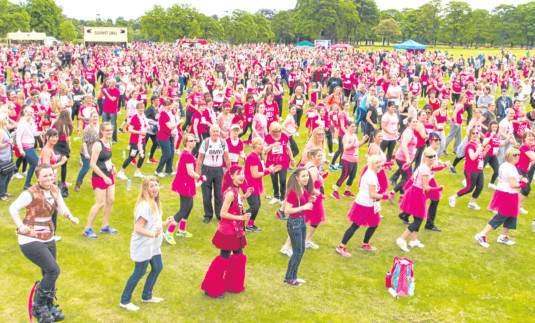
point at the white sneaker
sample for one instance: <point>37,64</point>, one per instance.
<point>159,174</point>
<point>139,175</point>
<point>122,176</point>
<point>129,306</point>
<point>17,176</point>
<point>273,201</point>
<point>335,141</point>
<point>474,206</point>
<point>287,251</point>
<point>57,238</point>
<point>416,244</point>
<point>464,182</point>
<point>301,281</point>
<point>402,244</point>
<point>24,174</point>
<point>452,201</point>
<point>198,184</point>
<point>482,240</point>
<point>311,245</point>
<point>177,151</point>
<point>331,155</point>
<point>505,240</point>
<point>152,300</point>
<point>296,134</point>
<point>523,211</point>
<point>492,186</point>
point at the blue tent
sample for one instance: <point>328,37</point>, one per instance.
<point>411,46</point>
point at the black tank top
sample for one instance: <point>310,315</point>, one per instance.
<point>104,160</point>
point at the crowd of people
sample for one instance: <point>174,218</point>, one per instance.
<point>232,115</point>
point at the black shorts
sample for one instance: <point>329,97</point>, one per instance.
<point>508,222</point>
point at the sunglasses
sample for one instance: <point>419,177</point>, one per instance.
<point>190,140</point>
<point>475,133</point>
<point>431,156</point>
<point>516,155</point>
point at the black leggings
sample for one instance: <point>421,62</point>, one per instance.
<point>186,205</point>
<point>226,253</point>
<point>404,178</point>
<point>132,154</point>
<point>389,145</point>
<point>351,231</point>
<point>248,126</point>
<point>432,212</point>
<point>22,160</point>
<point>474,182</point>
<point>254,205</point>
<point>43,254</point>
<point>456,161</point>
<point>415,225</point>
<point>277,178</point>
<point>154,145</point>
<point>493,162</point>
<point>468,110</point>
<point>339,151</point>
<point>329,136</point>
<point>418,156</point>
<point>297,117</point>
<point>189,115</point>
<point>64,171</point>
<point>349,172</point>
<point>294,147</point>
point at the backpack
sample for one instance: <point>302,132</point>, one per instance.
<point>401,278</point>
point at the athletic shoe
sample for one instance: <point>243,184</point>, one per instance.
<point>296,134</point>
<point>474,206</point>
<point>168,237</point>
<point>367,247</point>
<point>391,199</point>
<point>482,240</point>
<point>273,201</point>
<point>301,281</point>
<point>349,194</point>
<point>90,233</point>
<point>402,244</point>
<point>492,186</point>
<point>292,282</point>
<point>405,219</point>
<point>340,167</point>
<point>153,161</point>
<point>505,240</point>
<point>311,245</point>
<point>172,173</point>
<point>159,174</point>
<point>17,176</point>
<point>434,229</point>
<point>331,167</point>
<point>280,214</point>
<point>452,200</point>
<point>335,195</point>
<point>252,228</point>
<point>335,141</point>
<point>523,211</point>
<point>330,155</point>
<point>57,238</point>
<point>416,244</point>
<point>464,182</point>
<point>183,234</point>
<point>152,300</point>
<point>129,306</point>
<point>122,176</point>
<point>121,130</point>
<point>453,170</point>
<point>139,175</point>
<point>24,174</point>
<point>108,229</point>
<point>343,251</point>
<point>287,251</point>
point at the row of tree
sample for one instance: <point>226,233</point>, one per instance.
<point>353,21</point>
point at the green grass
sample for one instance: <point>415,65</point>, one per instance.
<point>456,279</point>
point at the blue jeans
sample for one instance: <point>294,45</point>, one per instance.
<point>139,271</point>
<point>168,155</point>
<point>361,119</point>
<point>84,170</point>
<point>4,182</point>
<point>297,231</point>
<point>111,117</point>
<point>32,159</point>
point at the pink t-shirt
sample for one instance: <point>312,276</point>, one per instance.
<point>351,155</point>
<point>473,165</point>
<point>256,183</point>
<point>261,125</point>
<point>524,161</point>
<point>418,176</point>
<point>411,147</point>
<point>278,155</point>
<point>184,184</point>
<point>392,122</point>
<point>292,200</point>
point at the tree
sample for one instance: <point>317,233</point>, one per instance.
<point>265,34</point>
<point>456,17</point>
<point>503,17</point>
<point>68,32</point>
<point>369,17</point>
<point>428,23</point>
<point>525,16</point>
<point>388,29</point>
<point>245,28</point>
<point>227,27</point>
<point>153,24</point>
<point>348,20</point>
<point>283,26</point>
<point>45,16</point>
<point>409,23</point>
<point>13,17</point>
<point>268,13</point>
<point>210,28</point>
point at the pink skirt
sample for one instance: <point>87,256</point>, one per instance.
<point>363,215</point>
<point>433,195</point>
<point>316,216</point>
<point>183,185</point>
<point>98,182</point>
<point>414,202</point>
<point>228,242</point>
<point>504,203</point>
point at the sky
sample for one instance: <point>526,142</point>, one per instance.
<point>136,8</point>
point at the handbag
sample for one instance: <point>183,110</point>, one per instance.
<point>7,168</point>
<point>64,190</point>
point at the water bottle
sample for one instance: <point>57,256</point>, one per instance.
<point>533,226</point>
<point>124,154</point>
<point>412,287</point>
<point>129,184</point>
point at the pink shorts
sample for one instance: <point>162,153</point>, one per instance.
<point>98,182</point>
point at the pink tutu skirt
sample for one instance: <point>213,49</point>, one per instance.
<point>364,215</point>
<point>98,182</point>
<point>414,202</point>
<point>433,195</point>
<point>228,242</point>
<point>504,203</point>
<point>315,216</point>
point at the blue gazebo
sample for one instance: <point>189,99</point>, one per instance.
<point>411,46</point>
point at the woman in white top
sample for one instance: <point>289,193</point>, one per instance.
<point>505,202</point>
<point>145,243</point>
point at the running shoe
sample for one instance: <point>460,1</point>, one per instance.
<point>311,245</point>
<point>367,247</point>
<point>474,206</point>
<point>301,281</point>
<point>273,201</point>
<point>183,234</point>
<point>108,229</point>
<point>331,167</point>
<point>286,251</point>
<point>335,195</point>
<point>453,170</point>
<point>349,194</point>
<point>153,161</point>
<point>492,186</point>
<point>482,240</point>
<point>280,214</point>
<point>159,174</point>
<point>416,244</point>
<point>168,237</point>
<point>129,306</point>
<point>292,282</point>
<point>152,300</point>
<point>523,211</point>
<point>90,233</point>
<point>505,240</point>
<point>122,176</point>
<point>340,167</point>
<point>452,200</point>
<point>343,251</point>
<point>252,228</point>
<point>402,244</point>
<point>139,175</point>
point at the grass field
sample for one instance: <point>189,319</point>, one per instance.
<point>456,279</point>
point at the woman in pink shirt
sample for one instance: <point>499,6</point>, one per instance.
<point>25,139</point>
<point>259,126</point>
<point>405,155</point>
<point>389,124</point>
<point>289,127</point>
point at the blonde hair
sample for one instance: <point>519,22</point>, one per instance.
<point>144,196</point>
<point>275,126</point>
<point>509,154</point>
<point>101,128</point>
<point>429,151</point>
<point>55,104</point>
<point>257,141</point>
<point>3,120</point>
<point>186,137</point>
<point>372,160</point>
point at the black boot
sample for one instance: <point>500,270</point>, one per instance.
<point>54,309</point>
<point>40,308</point>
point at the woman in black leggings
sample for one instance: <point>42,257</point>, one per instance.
<point>491,156</point>
<point>343,118</point>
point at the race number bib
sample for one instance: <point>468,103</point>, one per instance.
<point>480,164</point>
<point>108,165</point>
<point>234,157</point>
<point>78,97</point>
<point>377,206</point>
<point>495,150</point>
<point>133,152</point>
<point>277,150</point>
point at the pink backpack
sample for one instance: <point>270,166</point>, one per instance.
<point>401,278</point>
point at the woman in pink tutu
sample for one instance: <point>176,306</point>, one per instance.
<point>227,272</point>
<point>316,216</point>
<point>184,186</point>
<point>365,209</point>
<point>505,201</point>
<point>414,201</point>
<point>375,149</point>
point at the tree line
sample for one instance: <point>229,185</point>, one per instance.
<point>350,21</point>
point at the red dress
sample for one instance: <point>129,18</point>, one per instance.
<point>230,234</point>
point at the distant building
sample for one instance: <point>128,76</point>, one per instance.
<point>26,37</point>
<point>105,36</point>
